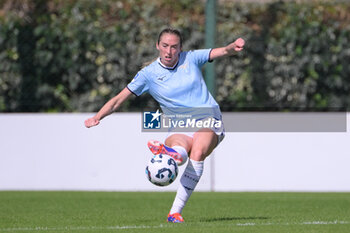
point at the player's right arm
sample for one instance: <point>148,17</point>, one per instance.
<point>111,106</point>
<point>228,50</point>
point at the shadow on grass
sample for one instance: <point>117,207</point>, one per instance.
<point>231,219</point>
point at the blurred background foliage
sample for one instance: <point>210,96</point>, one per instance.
<point>73,55</point>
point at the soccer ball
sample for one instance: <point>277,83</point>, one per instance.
<point>161,170</point>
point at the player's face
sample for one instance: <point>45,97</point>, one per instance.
<point>169,48</point>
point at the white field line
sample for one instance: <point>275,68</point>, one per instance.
<point>336,222</point>
<point>79,228</point>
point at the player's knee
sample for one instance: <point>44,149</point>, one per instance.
<point>198,154</point>
<point>177,140</point>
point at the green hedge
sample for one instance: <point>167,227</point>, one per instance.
<point>296,57</point>
<point>74,56</point>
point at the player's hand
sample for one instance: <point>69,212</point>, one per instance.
<point>235,46</point>
<point>91,122</point>
<point>238,44</point>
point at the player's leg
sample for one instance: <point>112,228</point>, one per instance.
<point>176,145</point>
<point>203,143</point>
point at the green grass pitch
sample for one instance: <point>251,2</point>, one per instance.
<point>146,212</point>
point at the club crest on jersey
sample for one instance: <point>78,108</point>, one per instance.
<point>184,66</point>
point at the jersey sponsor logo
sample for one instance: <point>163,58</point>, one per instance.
<point>161,78</point>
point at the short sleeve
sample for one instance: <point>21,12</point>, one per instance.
<point>139,84</point>
<point>201,56</point>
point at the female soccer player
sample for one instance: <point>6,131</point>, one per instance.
<point>175,81</point>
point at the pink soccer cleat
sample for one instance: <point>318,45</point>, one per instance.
<point>157,147</point>
<point>175,218</point>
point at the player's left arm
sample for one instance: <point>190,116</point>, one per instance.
<point>228,50</point>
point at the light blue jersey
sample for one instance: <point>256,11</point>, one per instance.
<point>179,87</point>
